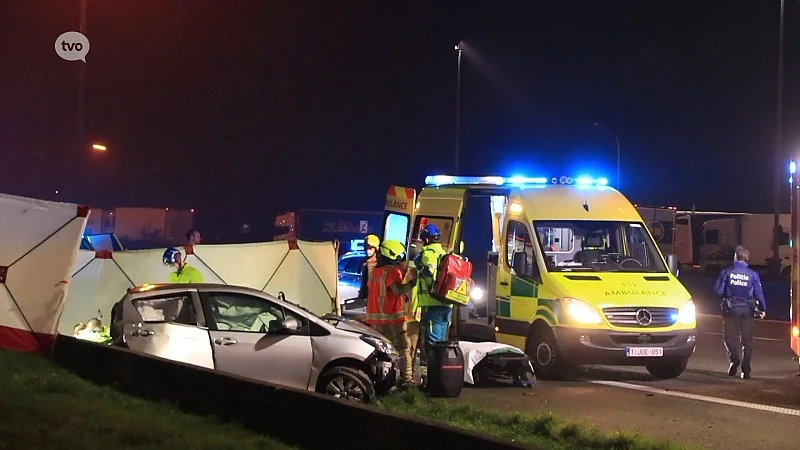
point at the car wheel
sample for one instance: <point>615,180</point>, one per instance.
<point>347,383</point>
<point>542,349</point>
<point>667,368</point>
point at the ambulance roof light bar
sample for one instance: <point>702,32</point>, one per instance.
<point>442,180</point>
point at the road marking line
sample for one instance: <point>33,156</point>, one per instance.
<point>787,322</point>
<point>754,337</point>
<point>702,398</point>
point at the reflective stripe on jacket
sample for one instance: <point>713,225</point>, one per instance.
<point>383,305</point>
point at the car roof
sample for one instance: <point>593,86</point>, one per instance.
<point>170,287</point>
<point>349,255</point>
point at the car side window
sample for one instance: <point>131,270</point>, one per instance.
<point>242,312</point>
<point>519,247</point>
<point>171,309</point>
<point>353,265</point>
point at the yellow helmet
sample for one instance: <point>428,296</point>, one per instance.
<point>372,241</point>
<point>394,250</point>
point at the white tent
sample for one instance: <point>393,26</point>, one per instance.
<point>38,244</point>
<point>306,272</point>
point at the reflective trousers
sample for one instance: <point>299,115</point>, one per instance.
<point>737,327</point>
<point>435,322</point>
<point>400,338</point>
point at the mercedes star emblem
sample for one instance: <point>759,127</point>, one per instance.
<point>644,317</point>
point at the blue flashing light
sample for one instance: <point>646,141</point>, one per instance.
<point>517,180</point>
<point>673,317</point>
<point>792,167</point>
<point>439,180</point>
<point>356,245</point>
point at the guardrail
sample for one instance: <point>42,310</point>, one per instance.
<point>301,418</point>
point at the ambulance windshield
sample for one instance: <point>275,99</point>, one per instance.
<point>598,246</point>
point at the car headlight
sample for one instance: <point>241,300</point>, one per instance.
<point>476,294</point>
<point>688,314</point>
<point>581,311</point>
<point>379,344</point>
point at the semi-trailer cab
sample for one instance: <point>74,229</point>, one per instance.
<point>572,272</point>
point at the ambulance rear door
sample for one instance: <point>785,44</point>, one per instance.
<point>440,206</point>
<point>398,214</point>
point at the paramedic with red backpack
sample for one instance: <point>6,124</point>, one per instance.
<point>435,314</point>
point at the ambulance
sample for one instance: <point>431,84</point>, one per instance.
<point>570,272</point>
<point>794,277</point>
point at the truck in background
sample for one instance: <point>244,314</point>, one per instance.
<point>685,236</point>
<point>139,228</point>
<point>660,220</point>
<point>754,231</point>
<point>320,225</point>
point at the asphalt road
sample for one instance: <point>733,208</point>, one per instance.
<point>698,408</point>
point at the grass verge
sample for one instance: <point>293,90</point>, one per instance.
<point>43,406</point>
<point>546,431</point>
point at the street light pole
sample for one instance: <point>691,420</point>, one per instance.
<point>81,147</point>
<point>619,150</point>
<point>458,107</point>
<point>778,166</point>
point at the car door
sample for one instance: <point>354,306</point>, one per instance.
<point>248,338</point>
<point>169,326</point>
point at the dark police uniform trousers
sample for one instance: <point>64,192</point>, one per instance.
<point>738,321</point>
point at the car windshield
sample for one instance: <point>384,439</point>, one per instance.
<point>598,246</point>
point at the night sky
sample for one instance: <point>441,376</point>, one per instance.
<point>258,107</point>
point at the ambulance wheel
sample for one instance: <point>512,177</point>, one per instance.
<point>667,368</point>
<point>542,348</point>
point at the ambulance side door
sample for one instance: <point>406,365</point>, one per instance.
<point>398,214</point>
<point>518,277</point>
<point>441,207</point>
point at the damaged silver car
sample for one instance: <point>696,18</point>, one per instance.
<point>250,333</point>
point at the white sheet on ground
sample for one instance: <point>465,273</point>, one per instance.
<point>474,352</point>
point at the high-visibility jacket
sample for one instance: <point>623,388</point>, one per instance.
<point>383,305</point>
<point>428,265</point>
<point>413,311</point>
<point>187,274</point>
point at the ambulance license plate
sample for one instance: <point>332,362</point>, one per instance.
<point>644,352</point>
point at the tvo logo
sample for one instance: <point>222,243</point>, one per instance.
<point>72,46</point>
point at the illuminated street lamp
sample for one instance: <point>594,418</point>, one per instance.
<point>99,147</point>
<point>459,49</point>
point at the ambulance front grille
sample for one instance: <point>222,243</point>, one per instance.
<point>637,317</point>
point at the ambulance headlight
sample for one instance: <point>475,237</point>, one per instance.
<point>477,294</point>
<point>581,311</point>
<point>688,314</point>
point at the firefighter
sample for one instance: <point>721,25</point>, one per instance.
<point>413,313</point>
<point>388,293</point>
<point>181,271</point>
<point>435,317</point>
<point>742,295</point>
<point>371,244</point>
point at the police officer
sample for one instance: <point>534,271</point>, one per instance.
<point>742,299</point>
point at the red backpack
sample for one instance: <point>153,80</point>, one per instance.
<point>453,282</point>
